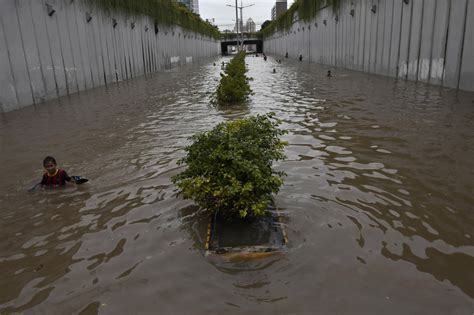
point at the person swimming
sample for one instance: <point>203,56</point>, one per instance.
<point>53,177</point>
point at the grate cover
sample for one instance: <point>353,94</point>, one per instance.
<point>264,234</point>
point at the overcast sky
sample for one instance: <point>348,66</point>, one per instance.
<point>225,16</point>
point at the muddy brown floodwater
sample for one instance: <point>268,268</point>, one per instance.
<point>377,202</point>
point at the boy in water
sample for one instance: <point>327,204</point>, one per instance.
<point>54,177</point>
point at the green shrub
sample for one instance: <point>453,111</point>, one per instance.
<point>305,9</point>
<point>168,12</point>
<point>229,168</point>
<point>233,87</point>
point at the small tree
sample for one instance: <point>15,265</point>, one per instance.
<point>265,24</point>
<point>233,87</point>
<point>229,168</point>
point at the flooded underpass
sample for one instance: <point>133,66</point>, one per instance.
<point>377,201</point>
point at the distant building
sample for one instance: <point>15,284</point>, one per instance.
<point>250,26</point>
<point>193,5</point>
<point>239,27</point>
<point>279,8</point>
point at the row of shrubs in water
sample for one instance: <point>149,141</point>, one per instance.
<point>234,84</point>
<point>229,168</point>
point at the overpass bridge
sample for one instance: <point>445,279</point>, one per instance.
<point>248,39</point>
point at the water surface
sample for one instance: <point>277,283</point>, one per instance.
<point>377,201</point>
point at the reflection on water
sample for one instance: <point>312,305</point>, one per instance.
<point>377,201</point>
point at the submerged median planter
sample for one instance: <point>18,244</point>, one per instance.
<point>233,87</point>
<point>255,237</point>
<point>229,171</point>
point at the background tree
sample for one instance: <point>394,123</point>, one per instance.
<point>265,24</point>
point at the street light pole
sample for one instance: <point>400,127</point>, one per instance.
<point>241,26</point>
<point>237,23</point>
<point>241,46</point>
<point>242,20</point>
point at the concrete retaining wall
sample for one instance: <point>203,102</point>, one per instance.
<point>422,40</point>
<point>77,48</point>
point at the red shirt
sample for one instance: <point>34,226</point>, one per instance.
<point>58,179</point>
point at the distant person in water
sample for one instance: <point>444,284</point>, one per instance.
<point>286,55</point>
<point>301,58</point>
<point>274,70</point>
<point>265,58</point>
<point>54,177</point>
<point>329,74</point>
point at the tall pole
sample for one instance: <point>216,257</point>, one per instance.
<point>242,25</point>
<point>241,46</point>
<point>237,23</point>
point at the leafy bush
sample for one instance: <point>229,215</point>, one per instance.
<point>303,10</point>
<point>168,12</point>
<point>233,87</point>
<point>229,168</point>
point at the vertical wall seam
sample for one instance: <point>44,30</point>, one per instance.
<point>397,67</point>
<point>62,56</point>
<point>155,52</point>
<point>409,39</point>
<point>45,89</point>
<point>343,38</point>
<point>70,45</point>
<point>309,45</point>
<point>147,52</point>
<point>359,41</point>
<point>348,35</point>
<point>101,52</point>
<point>363,42</point>
<point>391,38</point>
<point>91,43</point>
<point>104,28</point>
<point>121,58</point>
<point>10,61</point>
<point>24,54</point>
<point>51,55</point>
<point>445,49</point>
<point>420,40</point>
<point>130,57</point>
<point>91,54</point>
<point>335,44</point>
<point>132,42</point>
<point>353,41</point>
<point>154,42</point>
<point>351,25</point>
<point>151,56</point>
<point>80,46</point>
<point>105,54</point>
<point>432,40</point>
<point>130,52</point>
<point>115,50</point>
<point>462,45</point>
<point>370,40</point>
<point>143,55</point>
<point>383,34</point>
<point>124,52</point>
<point>376,36</point>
